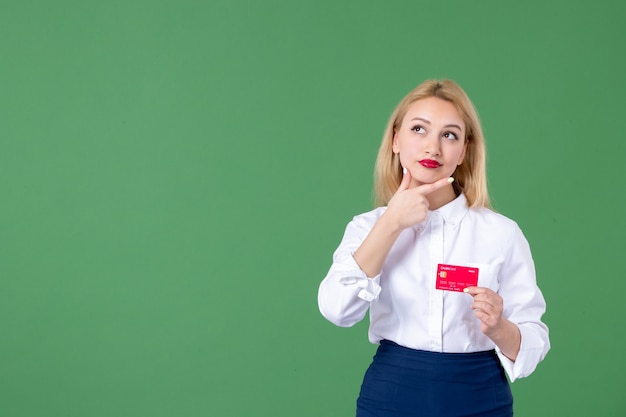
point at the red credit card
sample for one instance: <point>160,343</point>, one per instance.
<point>456,278</point>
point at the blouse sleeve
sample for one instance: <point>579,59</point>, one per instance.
<point>346,292</point>
<point>524,305</point>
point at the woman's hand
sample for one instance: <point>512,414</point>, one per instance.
<point>488,306</point>
<point>409,206</point>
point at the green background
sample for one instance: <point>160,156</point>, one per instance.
<point>175,176</point>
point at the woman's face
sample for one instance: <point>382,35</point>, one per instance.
<point>431,140</point>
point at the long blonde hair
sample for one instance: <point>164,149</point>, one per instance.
<point>470,177</point>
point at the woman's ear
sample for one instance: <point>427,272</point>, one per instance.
<point>394,143</point>
<point>462,157</point>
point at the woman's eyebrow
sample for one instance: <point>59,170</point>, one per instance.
<point>428,122</point>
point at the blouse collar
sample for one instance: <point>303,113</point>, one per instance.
<point>453,212</point>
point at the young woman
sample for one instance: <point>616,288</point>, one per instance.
<point>449,284</point>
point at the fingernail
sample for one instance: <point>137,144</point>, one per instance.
<point>465,289</point>
<point>450,179</point>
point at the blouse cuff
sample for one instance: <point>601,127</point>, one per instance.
<point>531,352</point>
<point>370,287</point>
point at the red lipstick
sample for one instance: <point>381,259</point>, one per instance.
<point>429,163</point>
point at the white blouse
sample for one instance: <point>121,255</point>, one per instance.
<point>406,308</point>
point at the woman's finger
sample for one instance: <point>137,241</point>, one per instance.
<point>406,181</point>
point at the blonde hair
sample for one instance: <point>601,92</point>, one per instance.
<point>470,177</point>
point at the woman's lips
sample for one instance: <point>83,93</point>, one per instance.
<point>429,163</point>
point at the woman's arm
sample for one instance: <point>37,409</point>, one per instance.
<point>488,307</point>
<point>512,318</point>
<point>353,280</point>
<point>408,207</point>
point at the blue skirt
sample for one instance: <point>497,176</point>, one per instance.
<point>407,382</point>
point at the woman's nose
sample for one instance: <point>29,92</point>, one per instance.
<point>433,145</point>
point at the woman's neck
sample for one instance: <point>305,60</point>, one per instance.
<point>441,197</point>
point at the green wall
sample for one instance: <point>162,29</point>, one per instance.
<point>175,176</point>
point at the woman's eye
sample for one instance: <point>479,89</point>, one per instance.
<point>418,129</point>
<point>450,135</point>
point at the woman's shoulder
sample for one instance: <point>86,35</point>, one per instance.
<point>492,217</point>
<point>369,216</point>
<point>361,224</point>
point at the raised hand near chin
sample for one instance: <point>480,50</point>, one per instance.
<point>409,206</point>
